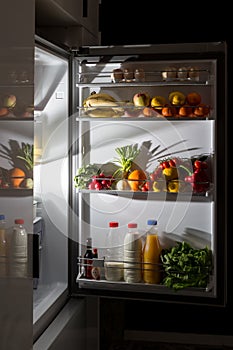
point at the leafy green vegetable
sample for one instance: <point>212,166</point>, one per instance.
<point>84,175</point>
<point>185,266</point>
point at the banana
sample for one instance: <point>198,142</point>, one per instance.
<point>103,113</point>
<point>100,102</point>
<point>101,96</point>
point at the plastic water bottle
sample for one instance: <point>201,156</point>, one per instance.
<point>114,265</point>
<point>19,249</point>
<point>3,246</point>
<point>151,254</point>
<point>132,255</point>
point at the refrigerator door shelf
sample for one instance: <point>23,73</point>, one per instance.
<point>108,285</point>
<point>147,195</point>
<point>135,288</point>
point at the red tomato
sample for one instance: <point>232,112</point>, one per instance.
<point>144,188</point>
<point>200,164</point>
<point>172,163</point>
<point>165,164</point>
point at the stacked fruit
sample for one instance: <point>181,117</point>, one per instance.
<point>180,175</point>
<point>102,105</point>
<point>179,105</point>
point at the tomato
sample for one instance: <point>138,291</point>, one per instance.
<point>165,164</point>
<point>148,185</point>
<point>200,164</point>
<point>172,163</point>
<point>144,188</point>
<point>197,164</point>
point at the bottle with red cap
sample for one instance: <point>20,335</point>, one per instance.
<point>19,250</point>
<point>114,253</point>
<point>133,254</point>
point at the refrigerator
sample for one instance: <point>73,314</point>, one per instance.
<point>94,106</point>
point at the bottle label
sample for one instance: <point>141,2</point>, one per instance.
<point>88,268</point>
<point>95,273</point>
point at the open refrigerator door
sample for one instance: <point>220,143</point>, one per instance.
<point>149,127</point>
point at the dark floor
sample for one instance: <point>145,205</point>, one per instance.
<point>165,346</point>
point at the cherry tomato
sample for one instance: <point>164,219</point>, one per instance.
<point>148,185</point>
<point>165,164</point>
<point>197,164</point>
<point>200,164</point>
<point>172,163</point>
<point>144,188</point>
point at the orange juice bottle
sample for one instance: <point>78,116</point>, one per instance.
<point>151,254</point>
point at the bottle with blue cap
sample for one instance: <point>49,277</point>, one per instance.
<point>151,254</point>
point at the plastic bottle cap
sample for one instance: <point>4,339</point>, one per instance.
<point>19,221</point>
<point>151,222</point>
<point>132,225</point>
<point>113,224</point>
<point>2,217</point>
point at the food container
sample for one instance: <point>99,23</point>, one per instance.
<point>114,271</point>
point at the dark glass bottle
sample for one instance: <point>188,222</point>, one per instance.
<point>95,272</point>
<point>88,256</point>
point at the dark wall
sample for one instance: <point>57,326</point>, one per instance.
<point>170,23</point>
<point>152,22</point>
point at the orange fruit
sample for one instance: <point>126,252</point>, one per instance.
<point>17,176</point>
<point>202,110</point>
<point>185,111</point>
<point>136,179</point>
<point>193,99</point>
